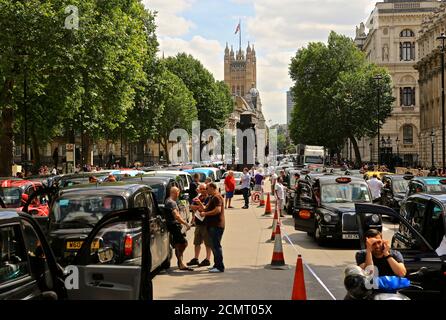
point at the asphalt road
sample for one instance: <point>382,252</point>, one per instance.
<point>247,251</point>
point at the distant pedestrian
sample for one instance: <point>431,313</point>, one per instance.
<point>279,192</point>
<point>230,189</point>
<point>245,181</point>
<point>214,214</point>
<point>376,187</point>
<point>258,180</point>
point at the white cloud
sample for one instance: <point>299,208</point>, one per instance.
<point>209,52</point>
<point>168,20</point>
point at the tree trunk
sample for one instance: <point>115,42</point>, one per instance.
<point>86,150</point>
<point>36,151</point>
<point>358,160</point>
<point>7,129</point>
<point>164,144</point>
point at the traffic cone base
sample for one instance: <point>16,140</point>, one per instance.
<point>278,260</point>
<point>299,291</point>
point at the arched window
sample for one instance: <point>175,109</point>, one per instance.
<point>408,134</point>
<point>407,33</point>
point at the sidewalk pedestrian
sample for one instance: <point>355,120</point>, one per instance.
<point>214,213</point>
<point>258,180</point>
<point>174,222</point>
<point>245,181</point>
<point>229,188</point>
<point>193,189</point>
<point>280,196</point>
<point>201,234</point>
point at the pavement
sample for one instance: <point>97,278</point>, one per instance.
<point>247,251</point>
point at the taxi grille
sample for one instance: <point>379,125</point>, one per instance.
<point>349,223</point>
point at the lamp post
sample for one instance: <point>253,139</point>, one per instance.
<point>442,38</point>
<point>432,145</point>
<point>383,146</point>
<point>25,111</point>
<point>378,79</point>
<point>371,152</point>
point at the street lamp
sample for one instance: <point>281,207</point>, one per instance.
<point>442,38</point>
<point>432,144</point>
<point>378,78</point>
<point>371,152</point>
<point>383,146</point>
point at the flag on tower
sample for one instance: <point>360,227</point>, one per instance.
<point>238,28</point>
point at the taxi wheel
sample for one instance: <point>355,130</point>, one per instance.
<point>317,235</point>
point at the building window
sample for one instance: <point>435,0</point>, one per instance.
<point>407,33</point>
<point>407,51</point>
<point>407,96</point>
<point>408,134</point>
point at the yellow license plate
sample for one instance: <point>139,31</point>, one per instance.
<point>76,245</point>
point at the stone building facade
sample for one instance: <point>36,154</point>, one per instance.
<point>429,68</point>
<point>393,28</point>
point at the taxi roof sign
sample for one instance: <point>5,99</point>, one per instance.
<point>344,180</point>
<point>408,177</point>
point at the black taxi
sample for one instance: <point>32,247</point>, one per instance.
<point>394,190</point>
<point>76,211</point>
<point>325,208</point>
<point>426,185</point>
<point>29,270</point>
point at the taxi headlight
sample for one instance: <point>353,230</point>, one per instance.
<point>375,218</point>
<point>327,218</point>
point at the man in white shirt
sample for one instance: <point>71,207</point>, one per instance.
<point>279,189</point>
<point>375,186</point>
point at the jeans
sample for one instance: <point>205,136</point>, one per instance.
<point>246,196</point>
<point>216,233</point>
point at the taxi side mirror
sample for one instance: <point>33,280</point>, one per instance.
<point>105,255</point>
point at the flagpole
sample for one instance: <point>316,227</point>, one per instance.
<point>240,23</point>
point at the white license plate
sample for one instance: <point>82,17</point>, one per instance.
<point>350,236</point>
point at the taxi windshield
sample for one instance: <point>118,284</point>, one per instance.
<point>11,197</point>
<point>345,193</point>
<point>84,210</point>
<point>314,159</point>
<point>400,186</point>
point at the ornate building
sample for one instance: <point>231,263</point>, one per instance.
<point>391,43</point>
<point>240,74</point>
<point>429,68</point>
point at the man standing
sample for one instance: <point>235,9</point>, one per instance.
<point>258,180</point>
<point>215,222</point>
<point>280,196</point>
<point>193,187</point>
<point>174,219</point>
<point>375,186</point>
<point>201,233</point>
<point>245,181</point>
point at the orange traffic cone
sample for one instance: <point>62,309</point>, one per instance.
<point>299,292</point>
<point>262,199</point>
<point>273,226</point>
<point>268,206</point>
<point>278,261</point>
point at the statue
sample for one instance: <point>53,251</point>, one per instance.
<point>386,52</point>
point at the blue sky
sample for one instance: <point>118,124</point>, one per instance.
<point>278,28</point>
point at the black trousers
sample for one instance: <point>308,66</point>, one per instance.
<point>246,196</point>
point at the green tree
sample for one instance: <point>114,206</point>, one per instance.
<point>214,101</point>
<point>335,95</point>
<point>178,108</point>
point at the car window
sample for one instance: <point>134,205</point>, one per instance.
<point>36,255</point>
<point>13,260</point>
<point>433,229</point>
<point>415,210</point>
<point>140,201</point>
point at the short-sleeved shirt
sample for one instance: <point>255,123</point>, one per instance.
<point>193,191</point>
<point>258,178</point>
<point>170,206</point>
<point>246,181</point>
<point>280,190</point>
<point>219,219</point>
<point>205,202</point>
<point>382,264</point>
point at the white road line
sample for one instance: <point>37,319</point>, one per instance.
<point>308,267</point>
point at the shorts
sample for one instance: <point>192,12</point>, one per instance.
<point>280,204</point>
<point>229,194</point>
<point>177,237</point>
<point>258,188</point>
<point>201,235</point>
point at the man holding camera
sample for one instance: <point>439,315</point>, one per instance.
<point>378,254</point>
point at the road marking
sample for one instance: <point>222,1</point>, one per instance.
<point>308,267</point>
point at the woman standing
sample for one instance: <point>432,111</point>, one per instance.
<point>230,189</point>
